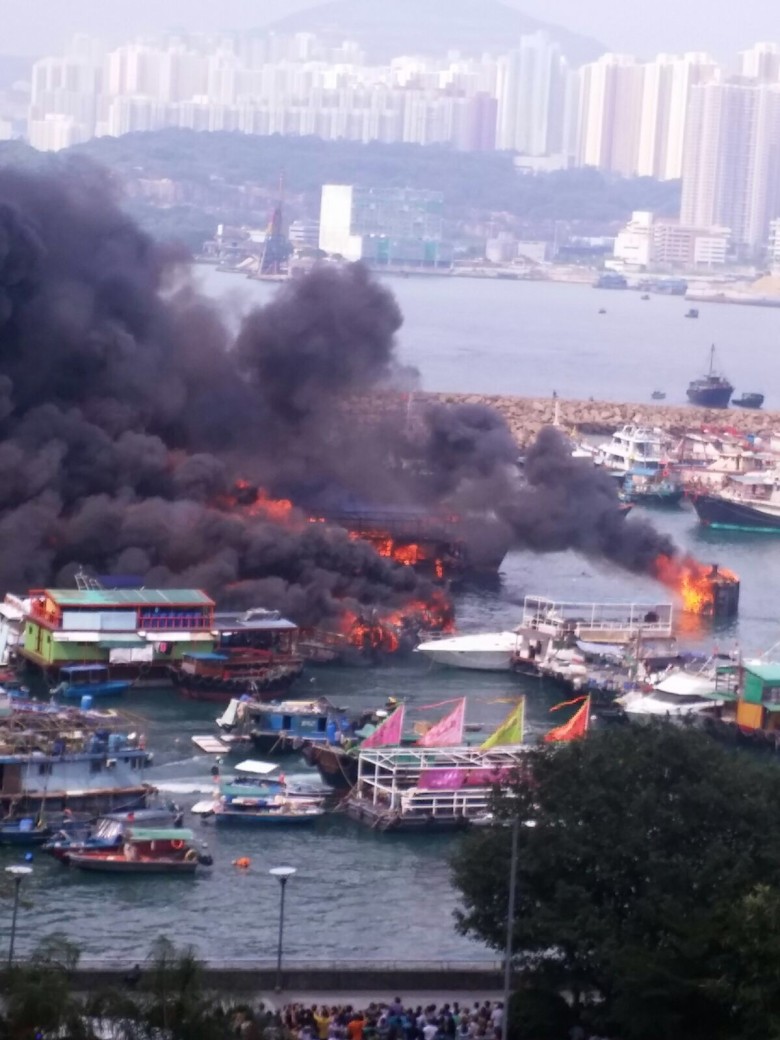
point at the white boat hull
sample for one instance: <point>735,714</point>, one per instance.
<point>474,660</point>
<point>480,652</point>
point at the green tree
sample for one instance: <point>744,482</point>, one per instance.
<point>39,997</point>
<point>650,847</point>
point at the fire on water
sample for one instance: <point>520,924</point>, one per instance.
<point>705,589</point>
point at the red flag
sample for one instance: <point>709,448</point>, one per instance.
<point>448,732</point>
<point>576,727</point>
<point>388,732</point>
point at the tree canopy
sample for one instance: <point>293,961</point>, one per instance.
<point>649,887</point>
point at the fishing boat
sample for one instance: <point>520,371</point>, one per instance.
<point>24,832</point>
<point>710,390</point>
<point>658,395</point>
<point>107,832</point>
<point>633,448</point>
<point>652,487</point>
<point>748,401</point>
<point>253,779</point>
<point>56,757</point>
<point>279,727</point>
<point>746,502</point>
<point>255,652</point>
<point>265,812</point>
<point>93,680</point>
<point>153,851</point>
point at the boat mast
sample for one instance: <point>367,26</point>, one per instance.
<point>712,359</point>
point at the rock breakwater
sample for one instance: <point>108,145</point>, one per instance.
<point>527,415</point>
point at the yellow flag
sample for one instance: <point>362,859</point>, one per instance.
<point>510,731</point>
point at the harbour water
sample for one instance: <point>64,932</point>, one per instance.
<point>359,895</point>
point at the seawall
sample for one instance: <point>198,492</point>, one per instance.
<point>527,415</point>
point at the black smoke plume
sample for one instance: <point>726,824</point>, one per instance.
<point>129,412</point>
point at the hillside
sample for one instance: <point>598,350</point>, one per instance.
<point>387,29</point>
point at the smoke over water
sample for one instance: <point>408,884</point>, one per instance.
<point>129,412</point>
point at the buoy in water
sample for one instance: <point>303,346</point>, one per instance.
<point>243,862</point>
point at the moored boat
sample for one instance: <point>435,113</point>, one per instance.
<point>24,832</point>
<point>107,832</point>
<point>652,487</point>
<point>255,653</point>
<point>279,727</point>
<point>92,680</point>
<point>480,651</point>
<point>747,502</point>
<point>710,390</point>
<point>748,400</point>
<point>153,851</point>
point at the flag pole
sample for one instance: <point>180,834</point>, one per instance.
<point>510,927</point>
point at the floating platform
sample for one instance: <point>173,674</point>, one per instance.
<point>211,745</point>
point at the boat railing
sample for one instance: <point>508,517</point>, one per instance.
<point>356,964</point>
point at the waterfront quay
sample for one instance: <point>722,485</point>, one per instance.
<point>381,979</point>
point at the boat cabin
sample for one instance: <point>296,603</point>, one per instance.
<point>129,629</point>
<point>259,631</point>
<point>597,622</point>
<point>758,706</point>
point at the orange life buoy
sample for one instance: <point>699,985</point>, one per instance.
<point>177,844</point>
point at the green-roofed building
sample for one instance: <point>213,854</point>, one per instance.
<point>136,632</point>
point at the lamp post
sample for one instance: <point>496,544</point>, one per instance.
<point>510,921</point>
<point>282,874</point>
<point>18,873</point>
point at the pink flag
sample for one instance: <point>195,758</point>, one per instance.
<point>387,732</point>
<point>448,732</point>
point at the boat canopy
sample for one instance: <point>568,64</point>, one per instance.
<point>601,649</point>
<point>161,834</point>
<point>256,768</point>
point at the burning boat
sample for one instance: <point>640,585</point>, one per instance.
<point>705,589</point>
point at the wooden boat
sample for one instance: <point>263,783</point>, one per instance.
<point>107,832</point>
<point>146,851</point>
<point>280,727</point>
<point>24,832</point>
<point>265,813</point>
<point>79,680</point>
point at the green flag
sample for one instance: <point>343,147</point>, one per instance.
<point>510,731</point>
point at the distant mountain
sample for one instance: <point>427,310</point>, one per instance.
<point>387,28</point>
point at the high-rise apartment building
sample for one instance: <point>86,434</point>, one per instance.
<point>610,99</point>
<point>731,164</point>
<point>761,62</point>
<point>666,90</point>
<point>530,93</point>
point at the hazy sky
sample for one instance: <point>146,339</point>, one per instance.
<point>643,27</point>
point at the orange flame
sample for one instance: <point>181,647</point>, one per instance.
<point>383,630</point>
<point>692,581</point>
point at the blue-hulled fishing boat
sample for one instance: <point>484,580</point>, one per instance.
<point>93,680</point>
<point>280,727</point>
<point>24,832</point>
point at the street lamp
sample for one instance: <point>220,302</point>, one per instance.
<point>18,873</point>
<point>282,874</point>
<point>510,921</point>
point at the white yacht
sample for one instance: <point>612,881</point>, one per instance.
<point>480,651</point>
<point>633,447</point>
<point>673,705</point>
